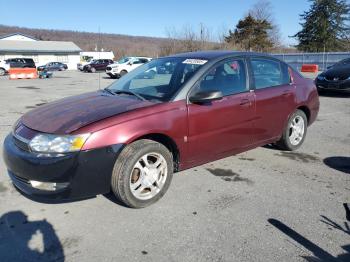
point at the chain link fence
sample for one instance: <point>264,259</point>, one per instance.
<point>323,60</point>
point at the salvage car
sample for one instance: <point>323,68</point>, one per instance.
<point>130,137</point>
<point>127,64</point>
<point>4,68</point>
<point>336,78</point>
<point>21,62</point>
<point>97,65</point>
<point>53,66</point>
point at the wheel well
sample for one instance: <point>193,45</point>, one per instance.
<point>306,110</point>
<point>168,143</point>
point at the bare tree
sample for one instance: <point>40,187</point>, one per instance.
<point>188,40</point>
<point>262,10</point>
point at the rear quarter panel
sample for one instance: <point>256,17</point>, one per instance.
<point>306,95</point>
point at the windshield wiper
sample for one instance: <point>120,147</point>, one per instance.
<point>109,91</point>
<point>128,92</point>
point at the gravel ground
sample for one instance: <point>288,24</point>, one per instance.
<point>262,205</point>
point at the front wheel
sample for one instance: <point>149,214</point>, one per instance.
<point>142,173</point>
<point>295,132</point>
<point>123,73</point>
<point>2,72</point>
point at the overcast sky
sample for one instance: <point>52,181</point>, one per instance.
<point>147,18</point>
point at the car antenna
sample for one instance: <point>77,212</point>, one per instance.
<point>99,56</point>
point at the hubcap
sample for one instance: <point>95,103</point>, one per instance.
<point>296,130</point>
<point>148,176</point>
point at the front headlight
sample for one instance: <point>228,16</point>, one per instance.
<point>321,78</point>
<point>46,143</point>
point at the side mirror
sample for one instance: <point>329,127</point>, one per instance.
<point>130,63</point>
<point>206,97</point>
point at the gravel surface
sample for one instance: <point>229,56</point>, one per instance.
<point>262,205</point>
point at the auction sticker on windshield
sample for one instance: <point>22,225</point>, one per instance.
<point>195,61</point>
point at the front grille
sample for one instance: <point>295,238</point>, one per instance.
<point>21,144</point>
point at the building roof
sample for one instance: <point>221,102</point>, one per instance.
<point>13,34</point>
<point>38,46</point>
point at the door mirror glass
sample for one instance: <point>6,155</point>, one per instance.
<point>203,97</point>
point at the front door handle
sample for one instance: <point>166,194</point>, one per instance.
<point>245,102</point>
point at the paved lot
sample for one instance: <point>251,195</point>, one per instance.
<point>263,205</point>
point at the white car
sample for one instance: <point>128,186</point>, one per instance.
<point>125,65</point>
<point>4,67</point>
<point>81,65</point>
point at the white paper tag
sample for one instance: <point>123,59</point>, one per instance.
<point>195,61</point>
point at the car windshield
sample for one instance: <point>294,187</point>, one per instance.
<point>158,79</point>
<point>123,60</point>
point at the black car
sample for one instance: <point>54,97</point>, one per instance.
<point>53,66</point>
<point>97,65</point>
<point>21,62</point>
<point>336,78</point>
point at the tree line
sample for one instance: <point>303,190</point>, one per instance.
<point>325,28</point>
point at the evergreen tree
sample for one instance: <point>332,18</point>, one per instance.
<point>325,26</point>
<point>251,34</point>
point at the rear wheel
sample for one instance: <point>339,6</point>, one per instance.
<point>92,69</point>
<point>2,72</point>
<point>294,134</point>
<point>142,173</point>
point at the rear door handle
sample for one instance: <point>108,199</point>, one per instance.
<point>286,93</point>
<point>245,102</point>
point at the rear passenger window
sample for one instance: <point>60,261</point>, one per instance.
<point>228,77</point>
<point>268,73</point>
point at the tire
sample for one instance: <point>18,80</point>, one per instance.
<point>123,72</point>
<point>127,173</point>
<point>292,138</point>
<point>93,70</point>
<point>2,72</point>
<point>152,74</point>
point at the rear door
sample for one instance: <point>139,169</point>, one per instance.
<point>222,126</point>
<point>274,97</point>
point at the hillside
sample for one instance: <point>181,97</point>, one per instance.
<point>120,44</point>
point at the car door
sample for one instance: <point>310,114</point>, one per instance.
<point>274,97</point>
<point>223,126</point>
<point>136,63</point>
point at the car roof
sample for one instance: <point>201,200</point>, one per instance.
<point>214,54</point>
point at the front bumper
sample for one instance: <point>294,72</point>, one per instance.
<point>341,86</point>
<point>112,75</point>
<point>86,173</point>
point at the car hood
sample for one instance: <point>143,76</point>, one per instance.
<point>341,72</point>
<point>69,114</point>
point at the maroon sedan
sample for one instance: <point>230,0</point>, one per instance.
<point>132,136</point>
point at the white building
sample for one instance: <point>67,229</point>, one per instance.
<point>42,52</point>
<point>96,55</point>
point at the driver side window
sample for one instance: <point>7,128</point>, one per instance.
<point>229,77</point>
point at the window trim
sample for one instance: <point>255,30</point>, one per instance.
<point>251,74</point>
<point>247,83</point>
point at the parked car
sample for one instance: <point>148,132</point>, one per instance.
<point>125,65</point>
<point>53,66</point>
<point>97,65</point>
<point>80,66</point>
<point>335,78</point>
<point>21,62</point>
<point>4,67</point>
<point>132,136</point>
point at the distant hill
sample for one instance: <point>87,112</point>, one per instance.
<point>120,44</point>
